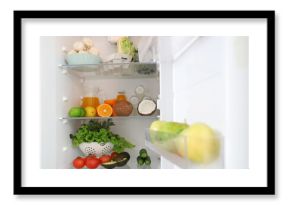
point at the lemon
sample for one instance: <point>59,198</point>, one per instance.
<point>90,111</point>
<point>200,142</point>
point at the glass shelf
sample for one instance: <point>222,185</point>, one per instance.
<point>164,149</point>
<point>114,70</point>
<point>117,117</point>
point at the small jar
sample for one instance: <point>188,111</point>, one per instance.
<point>121,96</point>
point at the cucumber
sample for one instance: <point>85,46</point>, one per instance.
<point>140,161</point>
<point>143,153</point>
<point>147,161</point>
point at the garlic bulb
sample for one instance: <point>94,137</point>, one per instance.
<point>94,51</point>
<point>88,42</point>
<point>78,46</point>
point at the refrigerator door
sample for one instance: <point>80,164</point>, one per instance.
<point>205,79</point>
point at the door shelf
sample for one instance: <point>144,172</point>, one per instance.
<point>113,70</point>
<point>117,117</point>
<point>160,148</point>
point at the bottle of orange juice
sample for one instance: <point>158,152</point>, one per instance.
<point>90,98</point>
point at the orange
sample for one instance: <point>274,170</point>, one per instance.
<point>111,102</point>
<point>105,110</point>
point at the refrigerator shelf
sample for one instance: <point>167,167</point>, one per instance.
<point>117,117</point>
<point>113,70</point>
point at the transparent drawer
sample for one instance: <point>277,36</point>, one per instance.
<point>186,152</point>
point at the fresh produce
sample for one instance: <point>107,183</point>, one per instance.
<point>88,43</point>
<point>79,163</point>
<point>143,158</point>
<point>105,158</point>
<point>114,154</point>
<point>111,102</point>
<point>90,111</point>
<point>123,108</point>
<point>122,159</point>
<point>105,110</point>
<point>140,160</point>
<point>110,164</point>
<point>162,130</point>
<point>146,107</point>
<point>125,46</point>
<point>99,131</point>
<point>143,153</point>
<point>77,112</point>
<point>78,46</point>
<point>84,46</point>
<point>201,143</point>
<point>92,162</point>
<point>119,160</point>
<point>147,160</point>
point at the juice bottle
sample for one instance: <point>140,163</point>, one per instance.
<point>121,96</point>
<point>90,101</point>
<point>90,98</point>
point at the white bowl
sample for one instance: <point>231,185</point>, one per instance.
<point>82,58</point>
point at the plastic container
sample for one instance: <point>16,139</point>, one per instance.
<point>186,152</point>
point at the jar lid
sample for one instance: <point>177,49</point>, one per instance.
<point>139,90</point>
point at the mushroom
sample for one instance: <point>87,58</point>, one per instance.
<point>78,46</point>
<point>88,43</point>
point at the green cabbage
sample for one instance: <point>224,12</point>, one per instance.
<point>125,46</point>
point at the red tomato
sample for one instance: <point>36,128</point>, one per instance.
<point>92,162</point>
<point>114,154</point>
<point>78,163</point>
<point>105,158</point>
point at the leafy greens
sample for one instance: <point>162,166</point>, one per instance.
<point>95,131</point>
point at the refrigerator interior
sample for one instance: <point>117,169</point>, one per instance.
<point>201,79</point>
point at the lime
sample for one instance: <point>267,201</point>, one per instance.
<point>75,112</point>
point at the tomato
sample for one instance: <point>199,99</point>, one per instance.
<point>92,162</point>
<point>105,158</point>
<point>114,154</point>
<point>78,163</point>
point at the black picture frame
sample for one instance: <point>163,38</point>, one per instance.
<point>268,190</point>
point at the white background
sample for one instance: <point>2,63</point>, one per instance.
<point>283,141</point>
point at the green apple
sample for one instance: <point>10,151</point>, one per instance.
<point>76,112</point>
<point>163,133</point>
<point>198,143</point>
